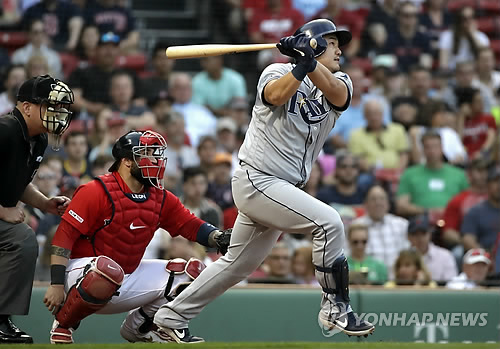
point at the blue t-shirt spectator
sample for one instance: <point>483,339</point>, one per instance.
<point>482,221</point>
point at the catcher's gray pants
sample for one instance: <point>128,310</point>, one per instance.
<point>267,207</point>
<point>18,254</point>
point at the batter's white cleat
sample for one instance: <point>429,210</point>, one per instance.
<point>60,335</point>
<point>347,323</point>
<point>181,335</point>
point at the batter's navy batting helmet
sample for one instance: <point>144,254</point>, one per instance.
<point>320,27</point>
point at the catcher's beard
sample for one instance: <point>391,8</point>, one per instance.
<point>136,172</point>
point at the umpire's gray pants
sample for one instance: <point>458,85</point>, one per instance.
<point>18,254</point>
<point>267,206</point>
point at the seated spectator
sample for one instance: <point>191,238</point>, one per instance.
<point>404,111</point>
<point>180,155</point>
<point>226,135</point>
<point>460,204</point>
<point>439,261</point>
<point>303,268</point>
<point>101,164</point>
<point>108,16</point>
<point>161,106</point>
<point>453,148</point>
<point>435,19</point>
<point>199,120</point>
<point>363,269</point>
<point>279,263</point>
<point>37,65</point>
<point>344,19</point>
<point>427,188</point>
<point>219,189</point>
<point>55,162</point>
<point>480,225</point>
<point>121,92</point>
<point>387,80</point>
<point>76,164</point>
<point>113,126</point>
<point>353,117</point>
<point>346,190</point>
<point>407,42</point>
<point>380,21</point>
<point>315,181</point>
<point>193,198</point>
<point>387,233</point>
<point>477,129</point>
<point>486,74</point>
<point>271,24</point>
<point>87,45</point>
<point>91,85</point>
<point>215,86</point>
<point>37,46</point>
<point>378,145</point>
<point>462,42</point>
<point>410,269</point>
<point>152,85</point>
<point>13,77</point>
<point>207,150</point>
<point>62,20</point>
<point>309,8</point>
<point>475,267</point>
<point>419,85</point>
<point>10,15</point>
<point>238,111</point>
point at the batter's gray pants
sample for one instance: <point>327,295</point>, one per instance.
<point>267,207</point>
<point>18,254</point>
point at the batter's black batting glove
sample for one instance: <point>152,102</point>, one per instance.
<point>222,240</point>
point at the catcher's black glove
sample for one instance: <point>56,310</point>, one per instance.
<point>222,240</point>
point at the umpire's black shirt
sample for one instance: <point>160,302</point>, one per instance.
<point>20,157</point>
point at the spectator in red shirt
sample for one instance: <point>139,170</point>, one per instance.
<point>270,25</point>
<point>476,128</point>
<point>460,204</point>
<point>344,19</point>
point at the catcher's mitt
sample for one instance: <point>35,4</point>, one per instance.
<point>222,240</point>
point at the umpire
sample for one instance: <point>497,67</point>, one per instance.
<point>42,107</point>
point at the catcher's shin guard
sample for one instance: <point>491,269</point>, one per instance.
<point>100,281</point>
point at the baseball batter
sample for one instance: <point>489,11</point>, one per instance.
<point>296,107</point>
<point>97,250</point>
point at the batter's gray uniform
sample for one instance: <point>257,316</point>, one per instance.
<point>276,157</point>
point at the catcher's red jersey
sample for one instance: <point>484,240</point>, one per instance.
<point>122,228</point>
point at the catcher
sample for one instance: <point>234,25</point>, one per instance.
<point>97,250</point>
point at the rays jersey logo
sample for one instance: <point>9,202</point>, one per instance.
<point>311,110</point>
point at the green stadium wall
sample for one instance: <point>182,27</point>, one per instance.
<point>290,314</point>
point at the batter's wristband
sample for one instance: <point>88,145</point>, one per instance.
<point>57,274</point>
<point>300,71</point>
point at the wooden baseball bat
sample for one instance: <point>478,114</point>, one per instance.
<point>197,51</point>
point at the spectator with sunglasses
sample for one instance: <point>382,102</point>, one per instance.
<point>363,268</point>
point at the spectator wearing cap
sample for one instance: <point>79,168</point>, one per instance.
<point>362,267</point>
<point>481,224</point>
<point>460,204</point>
<point>180,155</point>
<point>238,111</point>
<point>387,233</point>
<point>92,84</point>
<point>219,189</point>
<point>62,21</point>
<point>475,267</point>
<point>409,44</point>
<point>199,120</point>
<point>112,126</point>
<point>353,117</point>
<point>439,261</point>
<point>121,94</point>
<point>215,86</point>
<point>226,135</point>
<point>37,45</point>
<point>440,120</point>
<point>427,188</point>
<point>378,145</point>
<point>156,83</point>
<point>14,76</point>
<point>194,196</point>
<point>107,15</point>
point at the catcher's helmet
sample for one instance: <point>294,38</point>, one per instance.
<point>55,94</point>
<point>318,28</point>
<point>142,148</point>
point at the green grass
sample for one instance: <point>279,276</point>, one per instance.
<point>258,345</point>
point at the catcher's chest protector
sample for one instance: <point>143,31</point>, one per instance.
<point>135,219</point>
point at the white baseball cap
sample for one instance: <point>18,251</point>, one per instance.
<point>476,255</point>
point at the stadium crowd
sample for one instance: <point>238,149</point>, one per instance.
<point>413,166</point>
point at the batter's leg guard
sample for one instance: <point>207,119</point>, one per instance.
<point>336,313</point>
<point>99,283</point>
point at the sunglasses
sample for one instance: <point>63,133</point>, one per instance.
<point>347,166</point>
<point>355,242</point>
